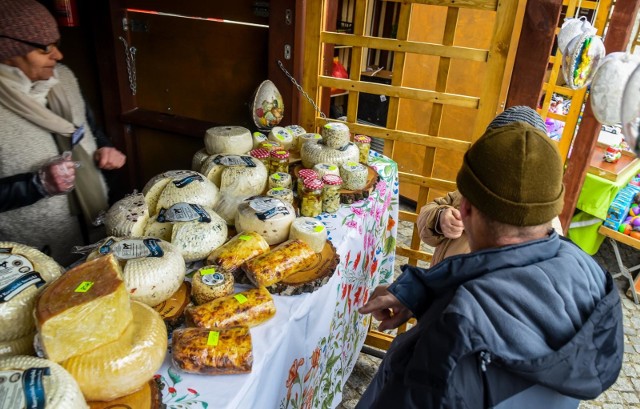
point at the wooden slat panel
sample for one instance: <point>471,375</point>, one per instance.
<point>312,50</point>
<point>470,4</point>
<point>405,216</point>
<point>439,184</point>
<point>400,92</point>
<point>355,67</point>
<point>473,54</point>
<point>413,254</point>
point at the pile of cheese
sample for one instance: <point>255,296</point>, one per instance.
<point>88,324</point>
<point>24,271</point>
<point>334,148</point>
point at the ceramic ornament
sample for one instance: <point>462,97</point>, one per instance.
<point>630,112</point>
<point>608,86</point>
<point>581,59</point>
<point>267,108</point>
<point>571,28</point>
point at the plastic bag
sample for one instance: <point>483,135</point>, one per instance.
<point>338,71</point>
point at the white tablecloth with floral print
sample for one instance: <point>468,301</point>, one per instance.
<point>305,354</point>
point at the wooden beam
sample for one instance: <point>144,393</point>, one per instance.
<point>536,40</point>
<point>618,35</point>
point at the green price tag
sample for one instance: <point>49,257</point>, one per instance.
<point>332,167</point>
<point>84,287</point>
<point>281,137</point>
<point>352,164</point>
<point>206,271</point>
<point>241,298</point>
<point>245,237</point>
<point>276,176</point>
<point>213,338</point>
<point>277,189</point>
<point>318,228</point>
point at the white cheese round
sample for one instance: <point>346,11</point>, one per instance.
<point>296,131</point>
<point>211,282</point>
<point>308,137</point>
<point>314,153</point>
<point>311,231</point>
<point>335,135</point>
<point>23,273</point>
<point>169,188</point>
<point>354,175</point>
<point>61,391</point>
<point>153,269</point>
<point>198,158</point>
<point>326,169</point>
<point>281,193</point>
<point>269,217</point>
<point>228,139</point>
<point>258,138</point>
<point>280,179</point>
<point>236,175</point>
<point>127,217</point>
<point>158,230</point>
<point>123,366</point>
<point>281,135</point>
<point>20,346</point>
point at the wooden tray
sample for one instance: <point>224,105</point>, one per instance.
<point>350,196</point>
<point>611,171</point>
<point>148,397</point>
<point>172,309</point>
<point>311,278</point>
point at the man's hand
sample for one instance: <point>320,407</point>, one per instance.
<point>386,308</point>
<point>108,158</point>
<point>451,223</point>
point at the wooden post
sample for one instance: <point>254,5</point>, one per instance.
<point>617,38</point>
<point>536,40</point>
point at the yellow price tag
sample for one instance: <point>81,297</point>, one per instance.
<point>277,189</point>
<point>318,228</point>
<point>276,176</point>
<point>245,237</point>
<point>214,337</point>
<point>241,298</point>
<point>84,287</point>
<point>206,271</point>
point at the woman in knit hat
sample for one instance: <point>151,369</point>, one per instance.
<point>439,223</point>
<point>51,187</point>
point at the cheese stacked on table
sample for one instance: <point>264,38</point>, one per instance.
<point>333,149</point>
<point>23,273</point>
<point>86,322</point>
<point>228,139</point>
<point>268,216</point>
<point>127,217</point>
<point>168,188</point>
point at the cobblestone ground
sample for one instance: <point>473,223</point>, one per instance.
<point>625,393</point>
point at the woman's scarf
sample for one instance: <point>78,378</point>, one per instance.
<point>56,120</point>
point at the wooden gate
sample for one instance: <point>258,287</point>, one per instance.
<point>450,62</point>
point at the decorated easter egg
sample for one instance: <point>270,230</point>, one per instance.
<point>267,109</point>
<point>571,28</point>
<point>630,111</point>
<point>608,86</point>
<point>581,59</point>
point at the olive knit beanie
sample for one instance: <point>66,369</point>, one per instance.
<point>513,174</point>
<point>25,20</point>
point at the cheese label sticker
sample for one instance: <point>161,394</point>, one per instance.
<point>281,136</point>
<point>259,136</point>
<point>241,298</point>
<point>311,226</point>
<point>345,147</point>
<point>132,248</point>
<point>23,389</point>
<point>276,176</point>
<point>206,271</point>
<point>183,212</point>
<point>84,287</point>
<point>244,237</point>
<point>213,338</point>
<point>213,279</point>
<point>16,275</point>
<point>234,160</point>
<point>267,207</point>
<point>318,229</point>
<point>185,181</point>
<point>277,189</point>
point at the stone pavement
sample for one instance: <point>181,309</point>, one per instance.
<point>625,393</point>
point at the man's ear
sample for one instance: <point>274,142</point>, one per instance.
<point>465,208</point>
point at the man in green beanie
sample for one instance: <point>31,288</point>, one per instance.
<point>526,320</point>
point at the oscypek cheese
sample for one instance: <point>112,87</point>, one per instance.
<point>271,218</point>
<point>169,188</point>
<point>23,273</point>
<point>153,269</point>
<point>236,175</point>
<point>86,307</point>
<point>127,217</point>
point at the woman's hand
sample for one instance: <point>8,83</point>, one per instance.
<point>108,158</point>
<point>58,176</point>
<point>386,308</point>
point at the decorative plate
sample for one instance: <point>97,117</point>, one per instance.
<point>268,108</point>
<point>608,86</point>
<point>581,59</point>
<point>630,113</point>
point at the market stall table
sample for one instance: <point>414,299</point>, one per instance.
<point>304,355</point>
<point>615,237</point>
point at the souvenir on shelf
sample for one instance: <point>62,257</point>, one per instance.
<point>581,59</point>
<point>608,86</point>
<point>612,154</point>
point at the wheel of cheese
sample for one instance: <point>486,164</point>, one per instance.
<point>228,139</point>
<point>123,366</point>
<point>314,153</point>
<point>195,239</point>
<point>198,159</point>
<point>281,135</point>
<point>127,217</point>
<point>308,137</point>
<point>326,169</point>
<point>269,217</point>
<point>172,187</point>
<point>61,391</point>
<point>296,131</point>
<point>158,230</point>
<point>258,138</point>
<point>335,135</point>
<point>153,269</point>
<point>24,270</point>
<point>281,193</point>
<point>84,308</point>
<point>20,346</point>
<point>237,175</point>
<point>354,175</point>
<point>311,231</point>
<point>211,282</point>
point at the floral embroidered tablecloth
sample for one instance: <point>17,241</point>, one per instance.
<point>305,354</point>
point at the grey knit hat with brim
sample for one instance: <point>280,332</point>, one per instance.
<point>25,20</point>
<point>513,174</point>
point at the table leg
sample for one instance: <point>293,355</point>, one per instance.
<point>624,271</point>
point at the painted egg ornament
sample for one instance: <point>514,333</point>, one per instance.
<point>612,154</point>
<point>571,28</point>
<point>581,59</point>
<point>267,109</point>
<point>630,111</point>
<point>608,86</point>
